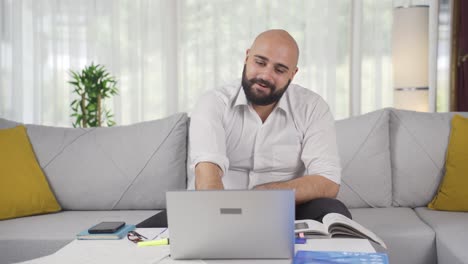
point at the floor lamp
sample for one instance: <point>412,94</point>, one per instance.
<point>410,56</point>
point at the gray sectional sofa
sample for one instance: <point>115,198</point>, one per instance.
<point>393,162</point>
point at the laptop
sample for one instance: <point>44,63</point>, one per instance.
<point>231,224</point>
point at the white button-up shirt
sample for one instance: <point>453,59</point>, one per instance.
<point>298,138</point>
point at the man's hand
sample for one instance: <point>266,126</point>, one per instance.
<point>208,176</point>
<point>307,188</point>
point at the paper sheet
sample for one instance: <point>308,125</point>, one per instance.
<point>153,233</point>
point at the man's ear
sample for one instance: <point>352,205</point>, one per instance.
<point>246,55</point>
<point>294,74</point>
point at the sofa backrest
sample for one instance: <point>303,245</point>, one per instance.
<point>122,167</point>
<point>392,157</point>
<point>389,158</point>
<point>363,146</point>
<point>418,145</point>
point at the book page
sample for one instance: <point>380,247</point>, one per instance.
<point>341,226</point>
<point>336,244</point>
<point>310,227</point>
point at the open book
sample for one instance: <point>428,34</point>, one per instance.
<point>336,225</point>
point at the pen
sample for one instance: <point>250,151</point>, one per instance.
<point>158,242</point>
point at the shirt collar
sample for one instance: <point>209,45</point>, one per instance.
<point>282,104</point>
<point>241,98</point>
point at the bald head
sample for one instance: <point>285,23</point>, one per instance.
<point>270,66</point>
<point>279,40</point>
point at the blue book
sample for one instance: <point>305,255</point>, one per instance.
<point>85,235</point>
<point>341,257</point>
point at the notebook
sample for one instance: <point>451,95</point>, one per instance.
<point>231,224</point>
<point>342,257</point>
<point>85,235</point>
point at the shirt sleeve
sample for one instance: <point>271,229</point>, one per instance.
<point>207,135</point>
<point>320,151</point>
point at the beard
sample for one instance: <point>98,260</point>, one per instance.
<point>258,98</point>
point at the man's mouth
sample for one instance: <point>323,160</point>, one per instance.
<point>263,88</point>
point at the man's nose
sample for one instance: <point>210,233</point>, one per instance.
<point>267,74</point>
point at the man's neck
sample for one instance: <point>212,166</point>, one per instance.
<point>264,111</point>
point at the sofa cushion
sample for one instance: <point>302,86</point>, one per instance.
<point>23,187</point>
<point>36,236</point>
<point>418,146</point>
<point>363,145</point>
<point>5,123</point>
<point>408,238</point>
<point>451,230</point>
<point>453,194</point>
<point>122,167</point>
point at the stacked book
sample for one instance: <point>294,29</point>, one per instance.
<point>85,235</point>
<point>329,257</point>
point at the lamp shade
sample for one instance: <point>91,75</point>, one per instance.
<point>412,99</point>
<point>410,46</point>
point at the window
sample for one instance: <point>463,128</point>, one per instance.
<point>166,53</point>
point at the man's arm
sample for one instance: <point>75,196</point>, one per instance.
<point>319,155</point>
<point>207,141</point>
<point>307,188</point>
<point>208,176</point>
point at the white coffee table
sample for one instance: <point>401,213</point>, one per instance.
<point>124,251</point>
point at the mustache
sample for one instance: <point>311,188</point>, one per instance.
<point>262,82</point>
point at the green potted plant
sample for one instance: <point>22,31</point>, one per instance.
<point>92,85</point>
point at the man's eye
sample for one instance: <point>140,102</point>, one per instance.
<point>280,71</point>
<point>261,63</point>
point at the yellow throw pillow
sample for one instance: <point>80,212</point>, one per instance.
<point>453,191</point>
<point>24,189</point>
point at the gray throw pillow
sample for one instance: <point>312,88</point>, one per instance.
<point>419,145</point>
<point>122,167</point>
<point>363,146</point>
<point>5,123</point>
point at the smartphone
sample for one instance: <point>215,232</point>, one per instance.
<point>106,227</point>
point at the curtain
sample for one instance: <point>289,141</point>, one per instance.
<point>461,53</point>
<point>166,53</point>
<point>42,40</point>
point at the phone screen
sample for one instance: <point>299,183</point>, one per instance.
<point>106,227</point>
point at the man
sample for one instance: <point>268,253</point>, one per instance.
<point>265,133</point>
